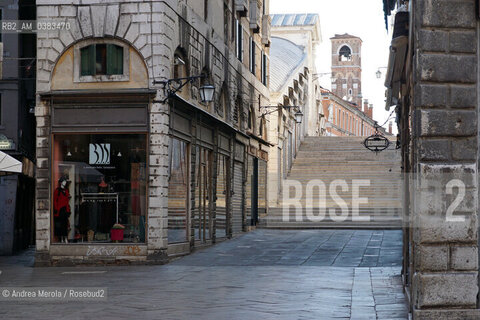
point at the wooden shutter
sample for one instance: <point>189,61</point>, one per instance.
<point>114,59</point>
<point>87,61</point>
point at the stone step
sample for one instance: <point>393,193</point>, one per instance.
<point>345,158</point>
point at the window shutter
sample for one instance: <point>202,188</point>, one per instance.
<point>236,39</point>
<point>87,61</point>
<point>114,59</point>
<point>250,50</point>
<point>241,41</point>
<point>110,59</point>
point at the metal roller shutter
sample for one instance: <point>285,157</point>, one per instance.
<point>237,197</point>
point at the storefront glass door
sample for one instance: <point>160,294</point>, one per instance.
<point>203,194</point>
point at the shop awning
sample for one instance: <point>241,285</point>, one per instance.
<point>9,164</point>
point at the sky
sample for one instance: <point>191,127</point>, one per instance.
<point>363,19</point>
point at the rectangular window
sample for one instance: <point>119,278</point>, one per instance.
<point>238,40</point>
<point>205,9</point>
<point>264,68</point>
<point>252,55</point>
<point>99,188</point>
<point>101,59</point>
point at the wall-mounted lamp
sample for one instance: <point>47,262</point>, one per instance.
<point>298,116</point>
<point>379,73</point>
<point>207,91</point>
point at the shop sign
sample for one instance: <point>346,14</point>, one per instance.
<point>6,144</point>
<point>376,143</point>
<point>99,153</point>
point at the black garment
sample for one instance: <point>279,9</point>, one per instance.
<point>61,223</point>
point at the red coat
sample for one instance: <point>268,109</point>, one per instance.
<point>61,198</point>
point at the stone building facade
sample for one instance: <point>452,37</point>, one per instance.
<point>125,172</point>
<point>293,82</point>
<point>344,118</point>
<point>432,82</point>
<point>347,67</point>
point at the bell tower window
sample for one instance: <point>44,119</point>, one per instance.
<point>345,54</point>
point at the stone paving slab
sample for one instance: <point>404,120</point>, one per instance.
<point>227,281</point>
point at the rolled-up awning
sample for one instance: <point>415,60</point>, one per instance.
<point>9,163</point>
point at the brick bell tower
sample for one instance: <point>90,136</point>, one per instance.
<point>347,68</point>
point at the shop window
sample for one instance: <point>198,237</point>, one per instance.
<point>99,188</point>
<point>202,215</point>
<point>101,59</point>
<point>178,191</point>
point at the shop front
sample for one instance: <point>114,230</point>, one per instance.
<point>205,190</point>
<point>99,175</point>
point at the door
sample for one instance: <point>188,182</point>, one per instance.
<point>237,203</point>
<point>202,221</point>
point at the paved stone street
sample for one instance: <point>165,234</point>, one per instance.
<point>265,274</point>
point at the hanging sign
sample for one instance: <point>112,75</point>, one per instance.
<point>376,143</point>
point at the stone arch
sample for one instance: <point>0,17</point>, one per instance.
<point>135,75</point>
<point>105,22</point>
<point>343,50</point>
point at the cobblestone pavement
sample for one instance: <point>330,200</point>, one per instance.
<point>265,274</point>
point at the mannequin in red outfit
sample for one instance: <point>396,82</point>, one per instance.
<point>61,212</point>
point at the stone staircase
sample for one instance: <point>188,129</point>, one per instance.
<point>331,159</point>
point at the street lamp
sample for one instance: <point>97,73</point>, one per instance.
<point>298,116</point>
<point>379,73</point>
<point>207,91</point>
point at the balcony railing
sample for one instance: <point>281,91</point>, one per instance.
<point>255,15</point>
<point>266,30</point>
<point>241,6</point>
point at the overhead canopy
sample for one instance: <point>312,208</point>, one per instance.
<point>9,164</point>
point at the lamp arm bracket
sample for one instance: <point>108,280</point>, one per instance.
<point>167,85</point>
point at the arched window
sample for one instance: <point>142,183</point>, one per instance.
<point>180,70</point>
<point>345,54</point>
<point>263,131</point>
<point>251,118</point>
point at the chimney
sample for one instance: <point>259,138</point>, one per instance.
<point>365,106</point>
<point>390,124</point>
<point>370,111</point>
